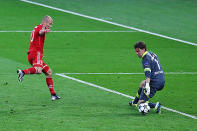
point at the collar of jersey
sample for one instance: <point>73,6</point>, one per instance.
<point>144,54</point>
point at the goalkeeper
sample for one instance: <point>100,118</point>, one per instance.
<point>154,77</point>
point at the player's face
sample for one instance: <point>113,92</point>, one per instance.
<point>139,52</point>
<point>49,24</point>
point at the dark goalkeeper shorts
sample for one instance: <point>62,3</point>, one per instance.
<point>154,87</point>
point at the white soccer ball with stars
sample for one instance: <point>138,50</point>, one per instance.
<point>144,108</point>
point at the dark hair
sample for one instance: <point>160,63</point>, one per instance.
<point>140,45</point>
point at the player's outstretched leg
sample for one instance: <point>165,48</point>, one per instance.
<point>20,75</point>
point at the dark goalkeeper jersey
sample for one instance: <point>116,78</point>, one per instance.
<point>152,67</point>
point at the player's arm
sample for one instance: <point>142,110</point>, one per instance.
<point>147,71</point>
<point>43,31</point>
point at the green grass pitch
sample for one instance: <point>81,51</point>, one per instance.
<point>27,106</point>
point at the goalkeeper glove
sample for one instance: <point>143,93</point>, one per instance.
<point>147,89</point>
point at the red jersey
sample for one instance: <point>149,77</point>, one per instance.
<point>37,40</point>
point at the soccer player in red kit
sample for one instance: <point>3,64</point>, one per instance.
<point>35,55</point>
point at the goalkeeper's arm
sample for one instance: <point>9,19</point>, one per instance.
<point>147,71</point>
<point>147,86</point>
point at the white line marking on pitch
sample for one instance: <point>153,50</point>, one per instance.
<point>112,91</point>
<point>90,84</point>
<point>113,23</point>
<point>2,31</point>
<point>10,31</point>
<point>171,73</point>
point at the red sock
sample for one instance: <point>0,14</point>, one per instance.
<point>31,70</point>
<point>50,85</point>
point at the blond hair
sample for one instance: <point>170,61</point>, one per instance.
<point>46,19</point>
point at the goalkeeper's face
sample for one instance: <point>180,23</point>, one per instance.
<point>139,52</point>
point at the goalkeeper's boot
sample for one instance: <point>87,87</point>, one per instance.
<point>132,103</point>
<point>20,75</point>
<point>158,107</point>
<point>54,97</point>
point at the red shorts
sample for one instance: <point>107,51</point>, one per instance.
<point>35,59</point>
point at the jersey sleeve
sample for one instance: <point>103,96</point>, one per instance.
<point>36,32</point>
<point>147,67</point>
<point>37,29</point>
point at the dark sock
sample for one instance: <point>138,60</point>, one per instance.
<point>152,105</point>
<point>139,91</point>
<point>136,100</point>
<point>137,96</point>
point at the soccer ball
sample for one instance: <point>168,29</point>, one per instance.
<point>144,108</point>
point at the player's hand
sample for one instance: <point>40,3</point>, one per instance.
<point>42,31</point>
<point>47,30</point>
<point>147,89</point>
